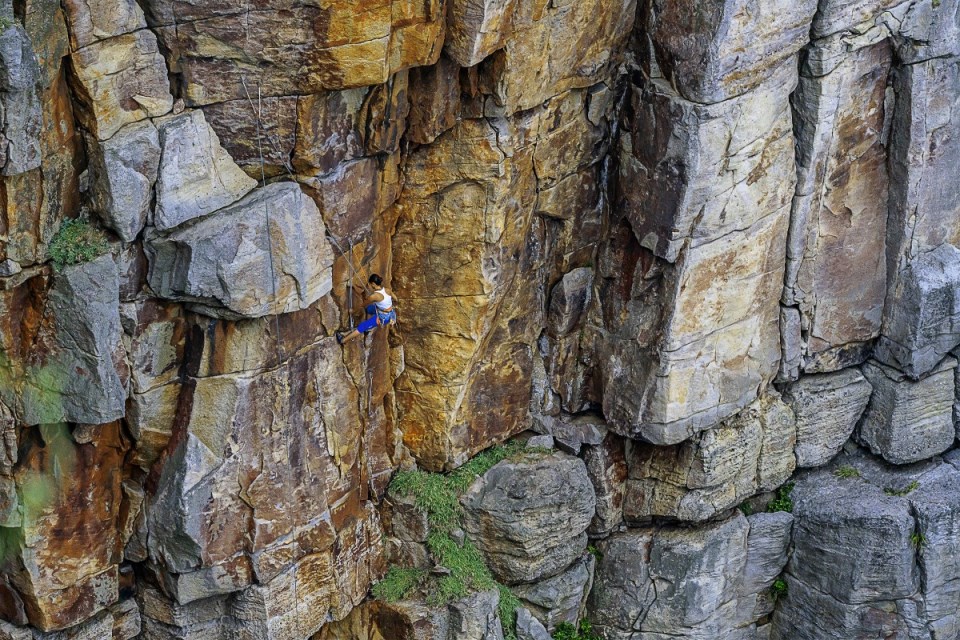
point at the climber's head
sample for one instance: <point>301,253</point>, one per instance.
<point>376,280</point>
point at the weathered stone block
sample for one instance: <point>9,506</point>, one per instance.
<point>267,254</point>
<point>701,478</point>
<point>123,171</point>
<point>79,379</point>
<point>607,468</point>
<point>827,408</point>
<point>922,317</point>
<point>196,176</point>
<point>90,21</point>
<point>529,518</point>
<point>120,80</point>
<point>907,421</point>
<point>561,598</point>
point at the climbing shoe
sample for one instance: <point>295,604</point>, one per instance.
<point>339,337</point>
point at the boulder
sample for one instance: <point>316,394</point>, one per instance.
<point>123,171</point>
<point>827,407</point>
<point>21,121</point>
<point>196,176</point>
<point>529,628</point>
<point>529,517</point>
<point>265,255</point>
<point>907,421</point>
<point>475,617</point>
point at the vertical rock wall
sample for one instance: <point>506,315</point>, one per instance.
<point>698,245</point>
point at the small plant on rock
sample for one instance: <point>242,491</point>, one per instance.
<point>76,242</point>
<point>899,493</point>
<point>398,584</point>
<point>566,631</point>
<point>782,502</point>
<point>746,508</point>
<point>846,471</point>
<point>596,553</point>
<point>918,540</point>
<point>779,588</point>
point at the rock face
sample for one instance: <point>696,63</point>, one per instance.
<point>530,518</point>
<point>265,255</point>
<point>703,253</point>
<point>898,582</point>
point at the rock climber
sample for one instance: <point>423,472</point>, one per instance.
<point>379,310</point>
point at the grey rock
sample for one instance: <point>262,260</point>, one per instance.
<point>123,171</point>
<point>404,519</point>
<point>731,47</point>
<point>560,598</point>
<point>873,555</point>
<point>927,29</point>
<point>529,517</point>
<point>568,300</point>
<point>10,515</point>
<point>840,317</point>
<point>475,617</point>
<point>529,628</point>
<point>659,582</point>
<point>701,478</point>
<point>540,442</point>
<point>80,380</point>
<point>228,265</point>
<point>907,420</point>
<point>827,407</point>
<point>607,468</point>
<point>20,116</point>
<point>836,515</point>
<point>570,433</point>
<point>196,176</point>
<point>921,321</point>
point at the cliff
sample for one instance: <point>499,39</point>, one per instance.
<point>708,251</point>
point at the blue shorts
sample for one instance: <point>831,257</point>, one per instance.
<point>371,323</point>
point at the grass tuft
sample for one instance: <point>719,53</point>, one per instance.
<point>779,588</point>
<point>846,472</point>
<point>77,242</point>
<point>903,491</point>
<point>398,584</point>
<point>782,502</point>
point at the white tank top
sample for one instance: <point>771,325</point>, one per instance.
<point>387,301</point>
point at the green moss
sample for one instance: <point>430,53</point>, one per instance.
<point>746,508</point>
<point>903,491</point>
<point>439,497</point>
<point>77,242</point>
<point>398,584</point>
<point>846,472</point>
<point>596,553</point>
<point>782,502</point>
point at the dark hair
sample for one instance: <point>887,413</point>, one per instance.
<point>375,279</point>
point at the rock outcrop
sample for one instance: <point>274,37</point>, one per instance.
<point>699,263</point>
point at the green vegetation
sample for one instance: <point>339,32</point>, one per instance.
<point>5,23</point>
<point>746,508</point>
<point>397,584</point>
<point>902,492</point>
<point>566,631</point>
<point>782,502</point>
<point>918,540</point>
<point>439,497</point>
<point>846,472</point>
<point>779,588</point>
<point>596,553</point>
<point>77,242</point>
